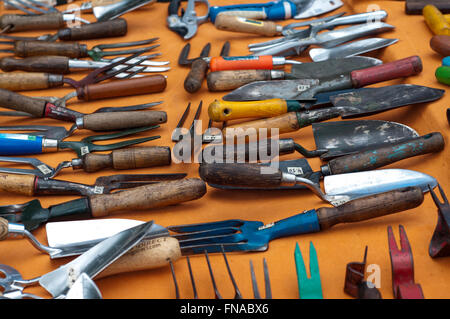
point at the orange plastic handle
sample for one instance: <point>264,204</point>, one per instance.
<point>241,63</point>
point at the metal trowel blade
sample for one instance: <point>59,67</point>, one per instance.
<point>312,8</point>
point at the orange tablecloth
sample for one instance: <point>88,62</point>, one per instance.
<point>336,247</point>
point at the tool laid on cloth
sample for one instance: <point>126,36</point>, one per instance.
<point>440,242</point>
<point>402,265</point>
<point>51,138</point>
<point>308,287</point>
<point>114,10</point>
<point>107,29</point>
<point>157,195</point>
<point>187,24</point>
<point>355,285</point>
<point>232,79</point>
<point>350,49</point>
<point>298,89</point>
<point>441,44</point>
<point>276,10</point>
<point>199,66</point>
<point>268,289</point>
<point>245,25</point>
<point>92,262</point>
<point>436,21</point>
<point>417,6</point>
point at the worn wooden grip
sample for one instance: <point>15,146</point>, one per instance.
<point>388,71</point>
<point>49,64</point>
<point>109,121</point>
<point>127,87</point>
<point>148,254</point>
<point>106,29</point>
<point>26,81</point>
<point>194,79</point>
<point>435,20</point>
<point>4,229</point>
<point>245,25</point>
<point>378,157</point>
<point>262,62</point>
<point>370,207</point>
<point>229,80</point>
<point>238,174</point>
<point>18,184</point>
<point>149,196</point>
<point>36,48</point>
<point>22,103</point>
<point>18,22</point>
<point>100,3</point>
<point>441,44</point>
<point>416,6</point>
<point>220,111</point>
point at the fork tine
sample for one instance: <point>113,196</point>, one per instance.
<point>122,133</point>
<point>237,293</point>
<point>254,283</point>
<point>177,292</point>
<point>436,200</point>
<point>124,44</point>
<point>216,291</point>
<point>18,7</point>
<point>113,146</point>
<point>267,280</point>
<point>191,275</point>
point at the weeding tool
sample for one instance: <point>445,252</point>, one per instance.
<point>92,262</point>
<point>308,287</point>
<point>186,25</point>
<point>416,6</point>
<point>440,242</point>
<point>256,294</point>
<point>402,265</point>
<point>436,21</point>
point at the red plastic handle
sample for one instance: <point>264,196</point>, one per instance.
<point>385,72</point>
<point>263,62</point>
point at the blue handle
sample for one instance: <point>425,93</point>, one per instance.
<point>279,10</point>
<point>20,144</point>
<point>446,61</point>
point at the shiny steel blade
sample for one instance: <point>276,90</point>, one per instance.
<point>84,288</point>
<point>312,8</point>
<point>112,11</point>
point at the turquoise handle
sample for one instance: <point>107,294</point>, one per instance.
<point>20,144</point>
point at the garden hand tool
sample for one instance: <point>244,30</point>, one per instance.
<point>107,29</point>
<point>31,185</point>
<point>350,49</point>
<point>92,262</point>
<point>83,288</point>
<point>402,265</point>
<point>199,66</point>
<point>436,21</point>
<point>277,10</point>
<point>85,6</point>
<point>161,194</point>
<point>245,25</point>
<point>417,6</point>
<point>256,293</point>
<point>187,24</point>
<point>51,138</point>
<point>114,10</point>
<point>232,79</point>
<point>440,242</point>
<point>308,288</point>
<point>306,88</point>
<point>355,285</point>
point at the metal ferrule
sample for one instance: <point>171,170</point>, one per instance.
<point>49,145</point>
<point>77,163</point>
<point>16,230</point>
<point>79,122</point>
<point>55,80</point>
<point>278,61</point>
<point>288,179</point>
<point>286,146</point>
<point>326,170</point>
<point>277,75</point>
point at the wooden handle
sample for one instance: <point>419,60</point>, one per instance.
<point>148,254</point>
<point>220,111</point>
<point>241,24</point>
<point>22,103</point>
<point>441,44</point>
<point>149,196</point>
<point>49,21</point>
<point>263,62</point>
<point>128,158</point>
<point>127,87</point>
<point>194,79</point>
<point>435,20</point>
<point>388,71</point>
<point>382,156</point>
<point>49,64</point>
<point>36,48</point>
<point>18,184</point>
<point>100,3</point>
<point>109,121</point>
<point>229,80</point>
<point>416,6</point>
<point>370,207</point>
<point>4,229</point>
<point>106,29</point>
<point>238,174</point>
<point>27,81</point>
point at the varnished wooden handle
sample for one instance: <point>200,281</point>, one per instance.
<point>441,44</point>
<point>37,48</point>
<point>19,102</point>
<point>194,79</point>
<point>105,29</point>
<point>370,207</point>
<point>238,174</point>
<point>220,111</point>
<point>49,64</point>
<point>4,229</point>
<point>18,184</point>
<point>245,25</point>
<point>49,21</point>
<point>127,87</point>
<point>27,81</point>
<point>149,196</point>
<point>229,80</point>
<point>148,254</point>
<point>122,120</point>
<point>128,158</point>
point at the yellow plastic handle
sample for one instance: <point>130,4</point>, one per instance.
<point>225,110</point>
<point>436,21</point>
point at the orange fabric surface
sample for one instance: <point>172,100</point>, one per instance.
<point>335,247</point>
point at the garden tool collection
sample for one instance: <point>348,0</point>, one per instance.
<point>308,287</point>
<point>402,265</point>
<point>187,24</point>
<point>440,242</point>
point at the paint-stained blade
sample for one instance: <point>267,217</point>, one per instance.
<point>313,8</point>
<point>346,137</point>
<point>361,103</point>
